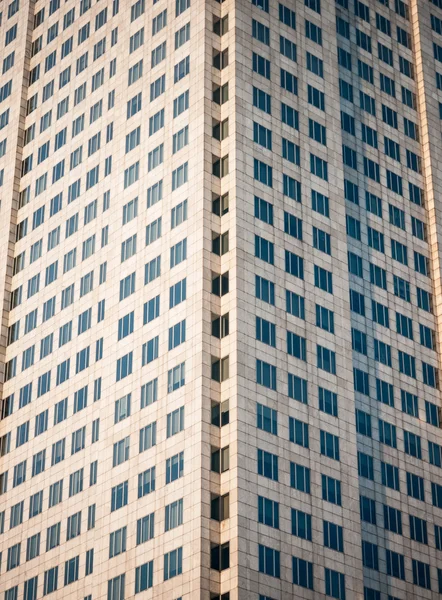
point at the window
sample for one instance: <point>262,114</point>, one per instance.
<point>157,88</point>
<point>415,486</point>
<point>148,437</point>
<point>296,346</point>
<point>58,451</point>
<point>331,490</point>
<point>288,82</point>
<point>264,290</point>
<point>294,265</point>
<point>146,483</point>
<point>50,583</point>
<point>289,116</point>
<point>220,556</point>
<point>220,204</point>
<point>316,97</point>
<point>370,555</point>
<point>73,526</point>
<point>13,560</point>
<point>292,153</point>
<point>288,48</point>
<point>219,510</point>
<point>174,467</point>
<point>333,536</point>
<point>176,378</point>
<point>178,253</point>
<point>181,6</point>
<point>16,517</point>
<point>295,304</point>
<point>119,496</point>
<point>321,240</point>
<point>175,422</point>
<point>328,402</point>
<point>122,408</point>
<point>155,157</point>
<point>179,176</point>
<point>116,588</point>
<point>329,445</point>
<point>78,440</point>
<point>71,570</point>
<point>363,423</point>
<point>260,32</point>
<point>261,100</point>
<point>121,451</point>
<point>421,574</point>
<point>298,432</point>
<point>128,248</point>
<point>151,310</point>
<point>335,581</point>
<point>267,465</point>
<point>173,561</point>
<point>180,139</point>
<point>435,454</point>
<point>127,286</point>
<point>220,325</point>
<point>264,249</point>
<point>117,542</point>
<point>124,366</point>
<point>418,530</point>
<point>301,524</point>
<point>144,577</point>
<point>323,279</point>
<point>291,188</point>
<point>266,374</point>
<point>220,369</point>
<point>302,574</point>
<point>432,414</point>
<point>269,561</point>
<point>267,419</point>
<point>314,63</point>
<point>183,35</point>
<point>387,434</point>
<point>318,167</point>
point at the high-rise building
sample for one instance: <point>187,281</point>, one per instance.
<point>221,295</point>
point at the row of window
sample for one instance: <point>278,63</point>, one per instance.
<point>173,566</point>
<point>267,420</point>
<point>151,311</point>
<point>331,487</point>
<point>323,279</point>
<point>296,345</point>
<point>178,253</point>
<point>145,527</point>
<point>123,409</point>
<point>128,247</point>
<point>119,493</point>
<point>302,571</point>
<point>322,240</point>
<point>147,435</point>
<point>333,536</point>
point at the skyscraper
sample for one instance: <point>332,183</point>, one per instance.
<point>220,281</point>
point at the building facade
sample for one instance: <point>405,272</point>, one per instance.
<point>220,284</point>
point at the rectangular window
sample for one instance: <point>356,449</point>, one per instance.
<point>174,467</point>
<point>300,478</point>
<point>266,374</point>
<point>146,485</point>
<point>331,490</point>
<point>264,290</point>
<point>267,419</point>
<point>173,515</point>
